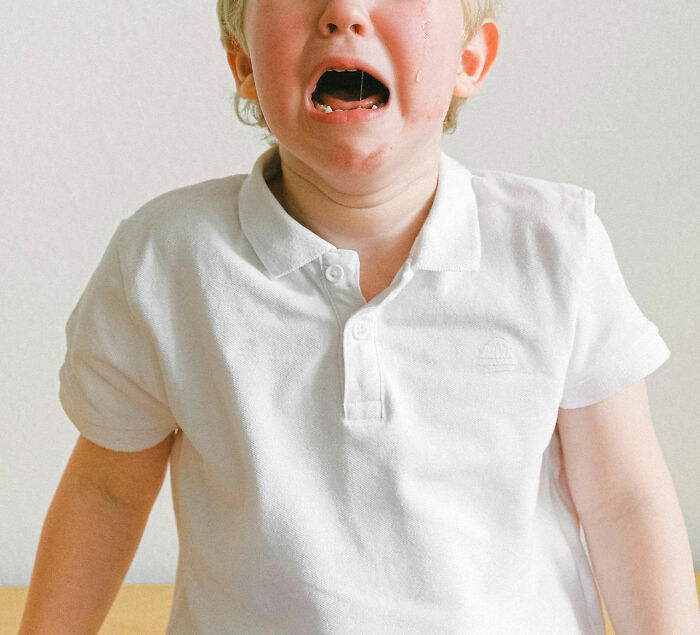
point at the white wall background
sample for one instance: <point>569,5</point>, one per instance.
<point>104,105</point>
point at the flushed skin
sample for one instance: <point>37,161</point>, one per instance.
<point>402,40</point>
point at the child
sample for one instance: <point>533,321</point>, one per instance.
<point>369,365</point>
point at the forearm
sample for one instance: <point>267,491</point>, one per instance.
<point>643,565</point>
<point>86,546</point>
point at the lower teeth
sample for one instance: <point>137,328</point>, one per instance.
<point>324,108</point>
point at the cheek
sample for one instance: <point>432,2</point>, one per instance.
<point>430,97</point>
<point>425,52</point>
<point>433,105</point>
<point>273,52</point>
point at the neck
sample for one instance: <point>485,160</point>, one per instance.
<point>383,219</point>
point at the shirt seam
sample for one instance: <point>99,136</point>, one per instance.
<point>553,480</point>
<point>582,270</point>
<point>375,340</point>
<point>135,321</point>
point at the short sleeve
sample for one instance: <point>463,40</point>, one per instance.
<point>110,382</point>
<point>614,344</point>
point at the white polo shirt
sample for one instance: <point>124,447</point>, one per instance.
<point>348,467</point>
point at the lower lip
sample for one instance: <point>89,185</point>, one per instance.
<point>356,115</point>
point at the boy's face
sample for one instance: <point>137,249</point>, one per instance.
<point>413,47</point>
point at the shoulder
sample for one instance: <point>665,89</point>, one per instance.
<point>538,224</point>
<point>532,197</point>
<point>180,218</point>
<point>550,215</point>
<point>186,206</point>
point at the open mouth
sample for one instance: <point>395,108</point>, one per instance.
<point>348,90</point>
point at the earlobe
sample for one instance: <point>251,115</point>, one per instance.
<point>247,88</point>
<point>476,61</point>
<point>242,70</point>
<point>464,86</point>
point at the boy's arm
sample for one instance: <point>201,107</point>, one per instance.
<point>634,527</point>
<point>90,536</point>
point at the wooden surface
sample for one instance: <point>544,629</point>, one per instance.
<point>141,609</point>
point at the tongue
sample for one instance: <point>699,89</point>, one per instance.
<point>346,100</point>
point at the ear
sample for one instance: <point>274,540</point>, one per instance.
<point>242,70</point>
<point>477,57</point>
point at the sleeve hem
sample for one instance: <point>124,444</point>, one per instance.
<point>637,364</point>
<point>119,439</point>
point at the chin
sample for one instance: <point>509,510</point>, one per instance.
<point>357,156</point>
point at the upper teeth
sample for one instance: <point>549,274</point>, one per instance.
<point>342,70</point>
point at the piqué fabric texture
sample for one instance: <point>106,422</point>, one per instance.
<point>343,466</point>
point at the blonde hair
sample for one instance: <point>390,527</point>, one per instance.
<point>230,13</point>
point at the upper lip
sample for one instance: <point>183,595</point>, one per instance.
<point>340,63</point>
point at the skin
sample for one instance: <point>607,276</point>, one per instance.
<point>365,186</point>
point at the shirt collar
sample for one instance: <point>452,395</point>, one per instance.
<point>449,239</point>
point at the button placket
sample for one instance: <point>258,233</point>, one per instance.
<point>362,394</point>
<point>362,385</point>
<point>338,271</point>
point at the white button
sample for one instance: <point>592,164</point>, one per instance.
<point>360,330</point>
<point>334,273</point>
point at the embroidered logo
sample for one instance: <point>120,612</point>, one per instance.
<point>496,355</point>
